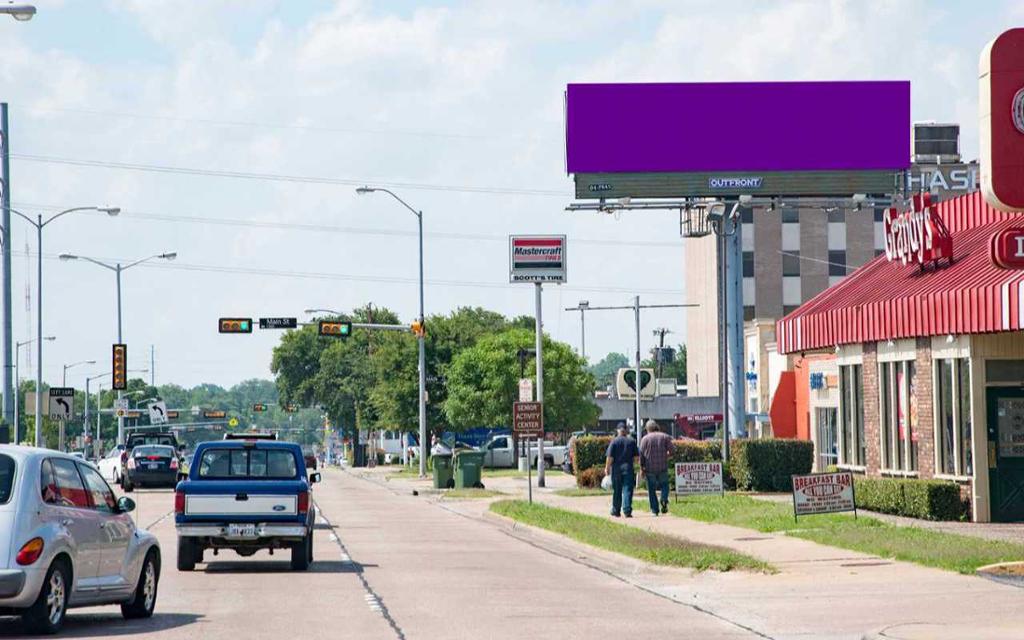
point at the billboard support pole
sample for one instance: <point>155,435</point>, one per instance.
<point>639,384</point>
<point>539,330</point>
<point>734,327</point>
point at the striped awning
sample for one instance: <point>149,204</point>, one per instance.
<point>885,300</point>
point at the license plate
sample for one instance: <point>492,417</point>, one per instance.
<point>152,465</point>
<point>241,531</point>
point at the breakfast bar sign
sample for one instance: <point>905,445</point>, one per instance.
<point>823,493</point>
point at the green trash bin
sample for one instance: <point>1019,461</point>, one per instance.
<point>442,463</point>
<point>468,469</point>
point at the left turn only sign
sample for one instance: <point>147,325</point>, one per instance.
<point>62,403</point>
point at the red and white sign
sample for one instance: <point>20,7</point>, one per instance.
<point>699,478</point>
<point>1001,110</point>
<point>917,235</point>
<point>537,259</point>
<point>1007,248</point>
<point>823,493</point>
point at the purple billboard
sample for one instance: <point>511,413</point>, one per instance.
<point>742,126</point>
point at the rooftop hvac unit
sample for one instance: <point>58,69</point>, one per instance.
<point>934,143</point>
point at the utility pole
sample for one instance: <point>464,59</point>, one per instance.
<point>5,241</point>
<point>639,383</point>
<point>152,365</point>
<point>658,359</point>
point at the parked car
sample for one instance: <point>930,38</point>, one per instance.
<point>499,452</point>
<point>245,495</point>
<point>67,541</point>
<point>136,439</point>
<point>151,465</point>
<point>110,465</point>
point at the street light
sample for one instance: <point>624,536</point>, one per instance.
<point>17,384</point>
<point>117,268</point>
<point>421,335</point>
<point>20,12</point>
<point>71,366</point>
<point>39,223</point>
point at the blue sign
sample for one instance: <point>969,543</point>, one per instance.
<point>817,381</point>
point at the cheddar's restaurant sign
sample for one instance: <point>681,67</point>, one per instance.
<point>917,235</point>
<point>1007,248</point>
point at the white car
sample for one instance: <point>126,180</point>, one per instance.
<point>110,465</point>
<point>67,541</point>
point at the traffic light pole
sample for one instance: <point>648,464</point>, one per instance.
<point>120,392</point>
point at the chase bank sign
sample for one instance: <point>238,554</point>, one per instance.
<point>742,182</point>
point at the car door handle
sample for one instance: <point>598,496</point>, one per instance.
<point>103,525</point>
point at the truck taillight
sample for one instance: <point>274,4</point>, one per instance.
<point>30,552</point>
<point>303,502</point>
<point>179,502</point>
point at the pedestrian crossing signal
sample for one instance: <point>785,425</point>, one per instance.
<point>119,367</point>
<point>335,329</point>
<point>235,325</point>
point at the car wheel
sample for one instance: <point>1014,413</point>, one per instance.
<point>302,552</point>
<point>126,484</point>
<point>144,601</point>
<point>117,477</point>
<point>46,615</point>
<point>186,554</point>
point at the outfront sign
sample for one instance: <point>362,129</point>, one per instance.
<point>537,259</point>
<point>823,493</point>
<point>917,235</point>
<point>699,478</point>
<point>1001,107</point>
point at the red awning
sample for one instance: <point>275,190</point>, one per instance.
<point>887,300</point>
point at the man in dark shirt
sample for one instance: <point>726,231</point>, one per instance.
<point>619,460</point>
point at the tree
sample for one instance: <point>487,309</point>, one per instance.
<point>604,371</point>
<point>483,384</point>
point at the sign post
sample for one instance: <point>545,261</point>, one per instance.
<point>528,423</point>
<point>823,493</point>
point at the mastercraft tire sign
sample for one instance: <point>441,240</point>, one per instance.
<point>537,259</point>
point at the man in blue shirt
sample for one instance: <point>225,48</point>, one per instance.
<point>619,460</point>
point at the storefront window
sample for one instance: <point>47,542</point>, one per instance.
<point>851,392</point>
<point>899,416</point>
<point>954,412</point>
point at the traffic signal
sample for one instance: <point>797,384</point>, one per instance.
<point>119,369</point>
<point>235,325</point>
<point>259,406</point>
<point>334,329</point>
<point>418,328</point>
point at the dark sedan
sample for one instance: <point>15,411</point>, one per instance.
<point>152,465</point>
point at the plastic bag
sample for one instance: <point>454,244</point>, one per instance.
<point>606,483</point>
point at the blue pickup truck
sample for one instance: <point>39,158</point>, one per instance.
<point>245,495</point>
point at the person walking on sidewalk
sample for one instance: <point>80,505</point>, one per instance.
<point>619,459</point>
<point>655,451</point>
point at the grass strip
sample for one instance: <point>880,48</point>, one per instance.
<point>582,492</point>
<point>516,473</point>
<point>952,552</point>
<point>461,494</point>
<point>648,546</point>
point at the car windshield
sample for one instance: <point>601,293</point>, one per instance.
<point>154,450</point>
<point>257,464</point>
<point>6,478</point>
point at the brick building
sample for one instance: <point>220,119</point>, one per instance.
<point>928,363</point>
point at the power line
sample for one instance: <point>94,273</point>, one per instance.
<point>275,177</point>
<point>325,228</point>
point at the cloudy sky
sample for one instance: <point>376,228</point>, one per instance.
<point>147,104</point>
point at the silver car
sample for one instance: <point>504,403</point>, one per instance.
<point>67,541</point>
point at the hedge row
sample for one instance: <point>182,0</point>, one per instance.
<point>925,499</point>
<point>767,465</point>
<point>589,452</point>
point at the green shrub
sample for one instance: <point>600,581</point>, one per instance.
<point>589,451</point>
<point>590,478</point>
<point>925,499</point>
<point>767,465</point>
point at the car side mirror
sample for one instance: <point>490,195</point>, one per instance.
<point>314,477</point>
<point>125,504</point>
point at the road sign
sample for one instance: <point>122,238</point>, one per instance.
<point>528,419</point>
<point>259,407</point>
<point>172,414</point>
<point>157,412</point>
<point>121,403</point>
<point>214,414</point>
<point>525,390</point>
<point>279,323</point>
<point>62,403</point>
<point>120,412</point>
<point>537,259</point>
<point>233,422</point>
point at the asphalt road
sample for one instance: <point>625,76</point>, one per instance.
<point>390,566</point>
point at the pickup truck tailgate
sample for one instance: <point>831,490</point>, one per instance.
<point>241,504</point>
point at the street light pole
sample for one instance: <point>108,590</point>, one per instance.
<point>117,269</point>
<point>17,384</point>
<point>39,223</point>
<point>582,307</point>
<point>64,380</point>
<point>421,338</point>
